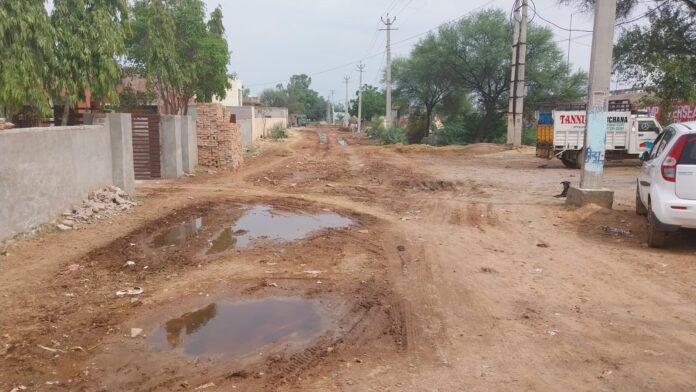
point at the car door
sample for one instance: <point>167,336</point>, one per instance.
<point>651,166</point>
<point>686,170</point>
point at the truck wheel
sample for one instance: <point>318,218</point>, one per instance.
<point>580,159</point>
<point>640,207</point>
<point>656,237</point>
<point>567,162</point>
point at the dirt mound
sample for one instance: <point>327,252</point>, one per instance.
<point>469,149</point>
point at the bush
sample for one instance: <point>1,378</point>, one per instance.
<point>417,129</point>
<point>393,135</point>
<point>278,131</point>
<point>529,137</point>
<point>453,132</point>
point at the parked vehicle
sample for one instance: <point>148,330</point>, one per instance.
<point>628,135</point>
<point>666,186</point>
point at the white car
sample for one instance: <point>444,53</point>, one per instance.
<point>666,189</point>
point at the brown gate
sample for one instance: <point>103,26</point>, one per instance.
<point>146,146</point>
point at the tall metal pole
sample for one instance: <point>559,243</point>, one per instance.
<point>517,80</point>
<point>361,70</point>
<point>570,37</point>
<point>389,22</point>
<point>598,99</point>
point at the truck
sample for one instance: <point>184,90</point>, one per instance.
<point>561,134</point>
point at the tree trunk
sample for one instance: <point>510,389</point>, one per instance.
<point>487,123</point>
<point>66,113</point>
<point>428,119</point>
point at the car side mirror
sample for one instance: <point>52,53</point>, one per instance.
<point>645,156</point>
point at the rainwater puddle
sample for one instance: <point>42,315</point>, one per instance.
<point>180,234</point>
<point>232,330</point>
<point>262,222</point>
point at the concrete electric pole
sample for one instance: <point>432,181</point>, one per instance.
<point>591,185</point>
<point>389,23</point>
<point>361,70</point>
<point>517,87</point>
<point>332,108</point>
<point>346,119</point>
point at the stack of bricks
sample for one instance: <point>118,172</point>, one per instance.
<point>219,140</point>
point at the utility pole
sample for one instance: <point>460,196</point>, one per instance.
<point>328,111</point>
<point>591,181</point>
<point>517,87</point>
<point>570,37</point>
<point>332,107</point>
<point>389,23</point>
<point>361,70</point>
<point>346,120</point>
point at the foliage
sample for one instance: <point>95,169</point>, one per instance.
<point>89,36</point>
<point>453,132</point>
<point>392,135</point>
<point>661,56</point>
<point>183,56</point>
<point>298,97</point>
<point>417,129</point>
<point>278,131</point>
<point>26,55</point>
<point>478,50</point>
<point>374,102</point>
<point>421,78</point>
<point>129,98</point>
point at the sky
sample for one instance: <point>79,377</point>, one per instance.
<point>271,40</point>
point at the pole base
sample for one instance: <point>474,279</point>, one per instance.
<point>581,197</point>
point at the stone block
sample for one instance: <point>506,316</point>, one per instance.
<point>580,197</point>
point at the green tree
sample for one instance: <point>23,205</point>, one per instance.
<point>374,103</point>
<point>182,54</point>
<point>89,37</point>
<point>478,50</point>
<point>422,78</point>
<point>26,55</point>
<point>660,57</point>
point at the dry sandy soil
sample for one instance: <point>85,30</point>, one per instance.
<point>460,272</point>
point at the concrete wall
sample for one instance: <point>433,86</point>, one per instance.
<point>170,142</point>
<point>245,119</point>
<point>44,171</point>
<point>189,144</point>
<point>257,122</point>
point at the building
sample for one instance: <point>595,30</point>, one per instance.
<point>234,95</point>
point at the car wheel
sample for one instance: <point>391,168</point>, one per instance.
<point>656,237</point>
<point>640,207</point>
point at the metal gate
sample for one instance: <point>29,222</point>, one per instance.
<point>146,146</point>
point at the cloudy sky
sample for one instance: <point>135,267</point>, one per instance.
<point>274,39</point>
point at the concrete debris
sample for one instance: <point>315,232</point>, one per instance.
<point>135,332</point>
<point>102,204</point>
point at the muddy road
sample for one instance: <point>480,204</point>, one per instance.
<point>332,267</point>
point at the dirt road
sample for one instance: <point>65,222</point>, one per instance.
<point>458,271</point>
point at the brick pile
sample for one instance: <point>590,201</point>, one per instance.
<point>219,141</point>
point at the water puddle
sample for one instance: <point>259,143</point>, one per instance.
<point>232,330</point>
<point>180,234</point>
<point>262,222</point>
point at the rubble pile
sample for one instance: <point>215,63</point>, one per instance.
<point>4,124</point>
<point>101,204</point>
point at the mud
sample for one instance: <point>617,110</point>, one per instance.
<point>438,283</point>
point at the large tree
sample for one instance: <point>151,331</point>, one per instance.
<point>26,55</point>
<point>298,97</point>
<point>478,50</point>
<point>661,56</point>
<point>182,55</point>
<point>90,35</point>
<point>421,77</point>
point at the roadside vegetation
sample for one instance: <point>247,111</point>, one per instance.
<point>89,45</point>
<point>278,131</point>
